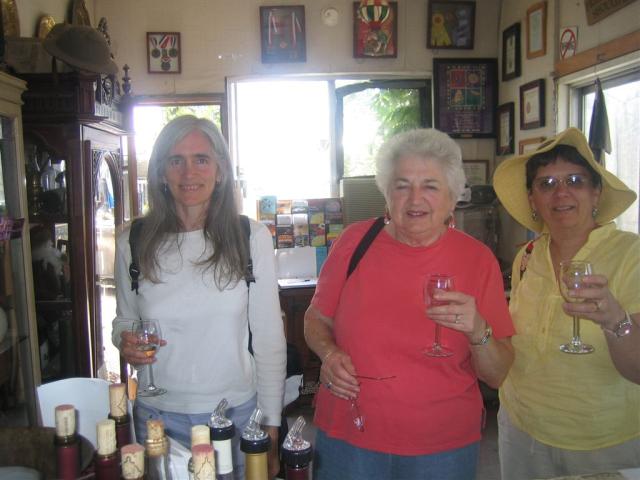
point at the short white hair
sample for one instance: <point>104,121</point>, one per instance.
<point>427,143</point>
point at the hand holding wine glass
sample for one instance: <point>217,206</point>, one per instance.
<point>149,339</point>
<point>432,284</point>
<point>571,276</point>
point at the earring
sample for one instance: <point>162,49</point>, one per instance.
<point>451,221</point>
<point>387,216</point>
<point>534,215</point>
<point>594,212</point>
<point>165,188</point>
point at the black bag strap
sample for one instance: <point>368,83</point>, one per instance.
<point>246,230</point>
<point>134,235</point>
<point>364,244</point>
<point>134,269</point>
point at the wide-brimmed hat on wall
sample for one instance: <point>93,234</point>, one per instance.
<point>510,183</point>
<point>80,46</point>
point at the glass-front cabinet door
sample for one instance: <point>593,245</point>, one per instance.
<point>19,358</point>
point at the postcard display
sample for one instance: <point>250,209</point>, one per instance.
<point>300,223</point>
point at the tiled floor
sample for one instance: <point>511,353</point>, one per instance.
<point>488,464</point>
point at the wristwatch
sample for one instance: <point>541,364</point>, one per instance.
<point>485,336</point>
<point>623,327</point>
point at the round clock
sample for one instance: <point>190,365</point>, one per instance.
<point>330,17</point>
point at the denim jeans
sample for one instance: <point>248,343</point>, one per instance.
<point>178,426</point>
<point>335,459</point>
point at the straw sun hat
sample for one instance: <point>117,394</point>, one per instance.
<point>510,185</point>
<point>80,46</point>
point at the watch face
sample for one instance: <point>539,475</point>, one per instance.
<point>624,328</point>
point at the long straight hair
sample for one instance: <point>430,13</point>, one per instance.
<point>222,227</point>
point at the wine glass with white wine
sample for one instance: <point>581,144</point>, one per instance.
<point>148,334</point>
<point>571,276</point>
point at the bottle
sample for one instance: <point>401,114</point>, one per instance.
<point>203,464</point>
<point>222,431</point>
<point>48,175</point>
<point>66,443</point>
<point>255,444</point>
<point>132,461</point>
<point>199,436</point>
<point>157,450</point>
<point>296,452</point>
<point>106,461</point>
<point>118,412</point>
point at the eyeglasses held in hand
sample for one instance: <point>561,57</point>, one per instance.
<point>356,416</point>
<point>575,181</point>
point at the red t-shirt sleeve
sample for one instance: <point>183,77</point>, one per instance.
<point>492,303</point>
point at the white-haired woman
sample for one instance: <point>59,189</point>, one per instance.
<point>193,261</point>
<point>422,414</point>
<point>570,414</point>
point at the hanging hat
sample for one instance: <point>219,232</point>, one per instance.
<point>510,183</point>
<point>80,46</point>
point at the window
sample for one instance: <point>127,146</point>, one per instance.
<point>295,138</point>
<point>622,98</point>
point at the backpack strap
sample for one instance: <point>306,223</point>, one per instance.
<point>134,268</point>
<point>246,230</point>
<point>364,244</point>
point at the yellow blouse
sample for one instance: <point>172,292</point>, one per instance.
<point>575,402</point>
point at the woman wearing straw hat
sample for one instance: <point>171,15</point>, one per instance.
<point>563,414</point>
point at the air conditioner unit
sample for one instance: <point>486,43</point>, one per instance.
<point>361,199</point>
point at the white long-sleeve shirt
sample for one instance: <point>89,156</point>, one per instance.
<point>207,330</point>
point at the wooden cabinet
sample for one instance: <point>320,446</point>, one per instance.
<point>294,302</point>
<point>73,123</point>
<point>18,343</point>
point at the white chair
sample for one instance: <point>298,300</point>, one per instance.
<point>90,397</point>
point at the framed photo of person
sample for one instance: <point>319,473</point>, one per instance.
<point>283,34</point>
<point>465,93</point>
<point>537,30</point>
<point>163,52</point>
<point>505,143</point>
<point>451,24</point>
<point>375,30</point>
<point>532,105</point>
<point>511,52</point>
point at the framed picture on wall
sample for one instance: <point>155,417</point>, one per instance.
<point>529,144</point>
<point>465,93</point>
<point>505,143</point>
<point>450,24</point>
<point>476,171</point>
<point>163,52</point>
<point>537,30</point>
<point>511,52</point>
<point>532,105</point>
<point>375,30</point>
<point>283,34</point>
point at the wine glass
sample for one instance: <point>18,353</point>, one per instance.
<point>149,335</point>
<point>572,274</point>
<point>435,282</point>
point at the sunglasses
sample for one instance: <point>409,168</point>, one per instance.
<point>575,181</point>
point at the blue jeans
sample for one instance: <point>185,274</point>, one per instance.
<point>178,426</point>
<point>335,459</point>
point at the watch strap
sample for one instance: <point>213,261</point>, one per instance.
<point>485,337</point>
